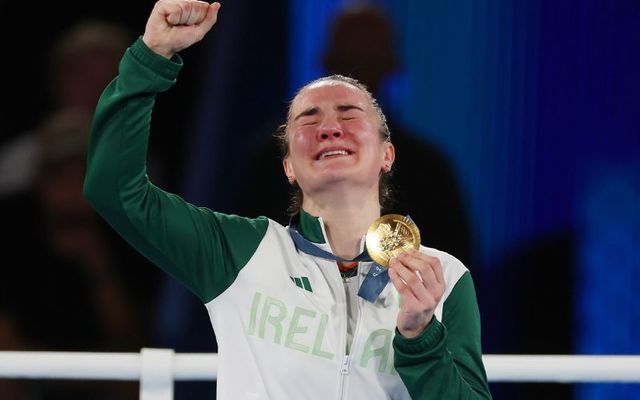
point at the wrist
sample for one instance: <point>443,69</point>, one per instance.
<point>415,328</point>
<point>154,46</point>
<point>412,332</point>
<point>431,338</point>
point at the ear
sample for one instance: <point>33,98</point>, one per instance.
<point>389,156</point>
<point>288,170</point>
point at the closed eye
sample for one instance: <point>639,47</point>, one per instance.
<point>349,108</point>
<point>349,112</point>
<point>309,112</point>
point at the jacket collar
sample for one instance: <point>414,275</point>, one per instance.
<point>310,227</point>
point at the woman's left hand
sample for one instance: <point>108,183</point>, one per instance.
<point>419,279</point>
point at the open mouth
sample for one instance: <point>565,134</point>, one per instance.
<point>333,154</point>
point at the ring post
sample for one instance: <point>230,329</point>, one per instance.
<point>156,374</point>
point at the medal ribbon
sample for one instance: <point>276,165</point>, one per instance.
<point>376,279</point>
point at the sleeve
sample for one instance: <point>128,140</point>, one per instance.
<point>203,249</point>
<point>445,361</point>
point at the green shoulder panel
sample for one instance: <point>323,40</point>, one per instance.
<point>310,227</point>
<point>202,249</point>
<point>445,361</point>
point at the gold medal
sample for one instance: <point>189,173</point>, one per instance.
<point>391,235</point>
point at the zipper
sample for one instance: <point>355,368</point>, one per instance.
<point>346,359</point>
<point>344,371</point>
<point>345,365</point>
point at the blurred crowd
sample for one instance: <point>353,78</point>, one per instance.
<point>68,282</point>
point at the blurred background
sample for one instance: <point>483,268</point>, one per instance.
<point>517,128</point>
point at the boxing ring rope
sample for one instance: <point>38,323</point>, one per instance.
<point>157,369</point>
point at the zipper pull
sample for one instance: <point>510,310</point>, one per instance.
<point>345,365</point>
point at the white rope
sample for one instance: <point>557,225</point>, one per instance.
<point>562,368</point>
<point>204,367</point>
<point>101,366</point>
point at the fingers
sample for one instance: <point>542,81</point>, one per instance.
<point>419,274</point>
<point>424,264</point>
<point>186,12</point>
<point>406,279</point>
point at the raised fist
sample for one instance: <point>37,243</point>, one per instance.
<point>175,25</point>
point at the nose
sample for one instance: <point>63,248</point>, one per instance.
<point>329,129</point>
<point>334,133</point>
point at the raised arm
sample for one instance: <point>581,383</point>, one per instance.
<point>202,249</point>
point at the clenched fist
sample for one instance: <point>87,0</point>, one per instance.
<point>175,25</point>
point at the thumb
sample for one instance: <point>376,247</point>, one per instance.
<point>211,18</point>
